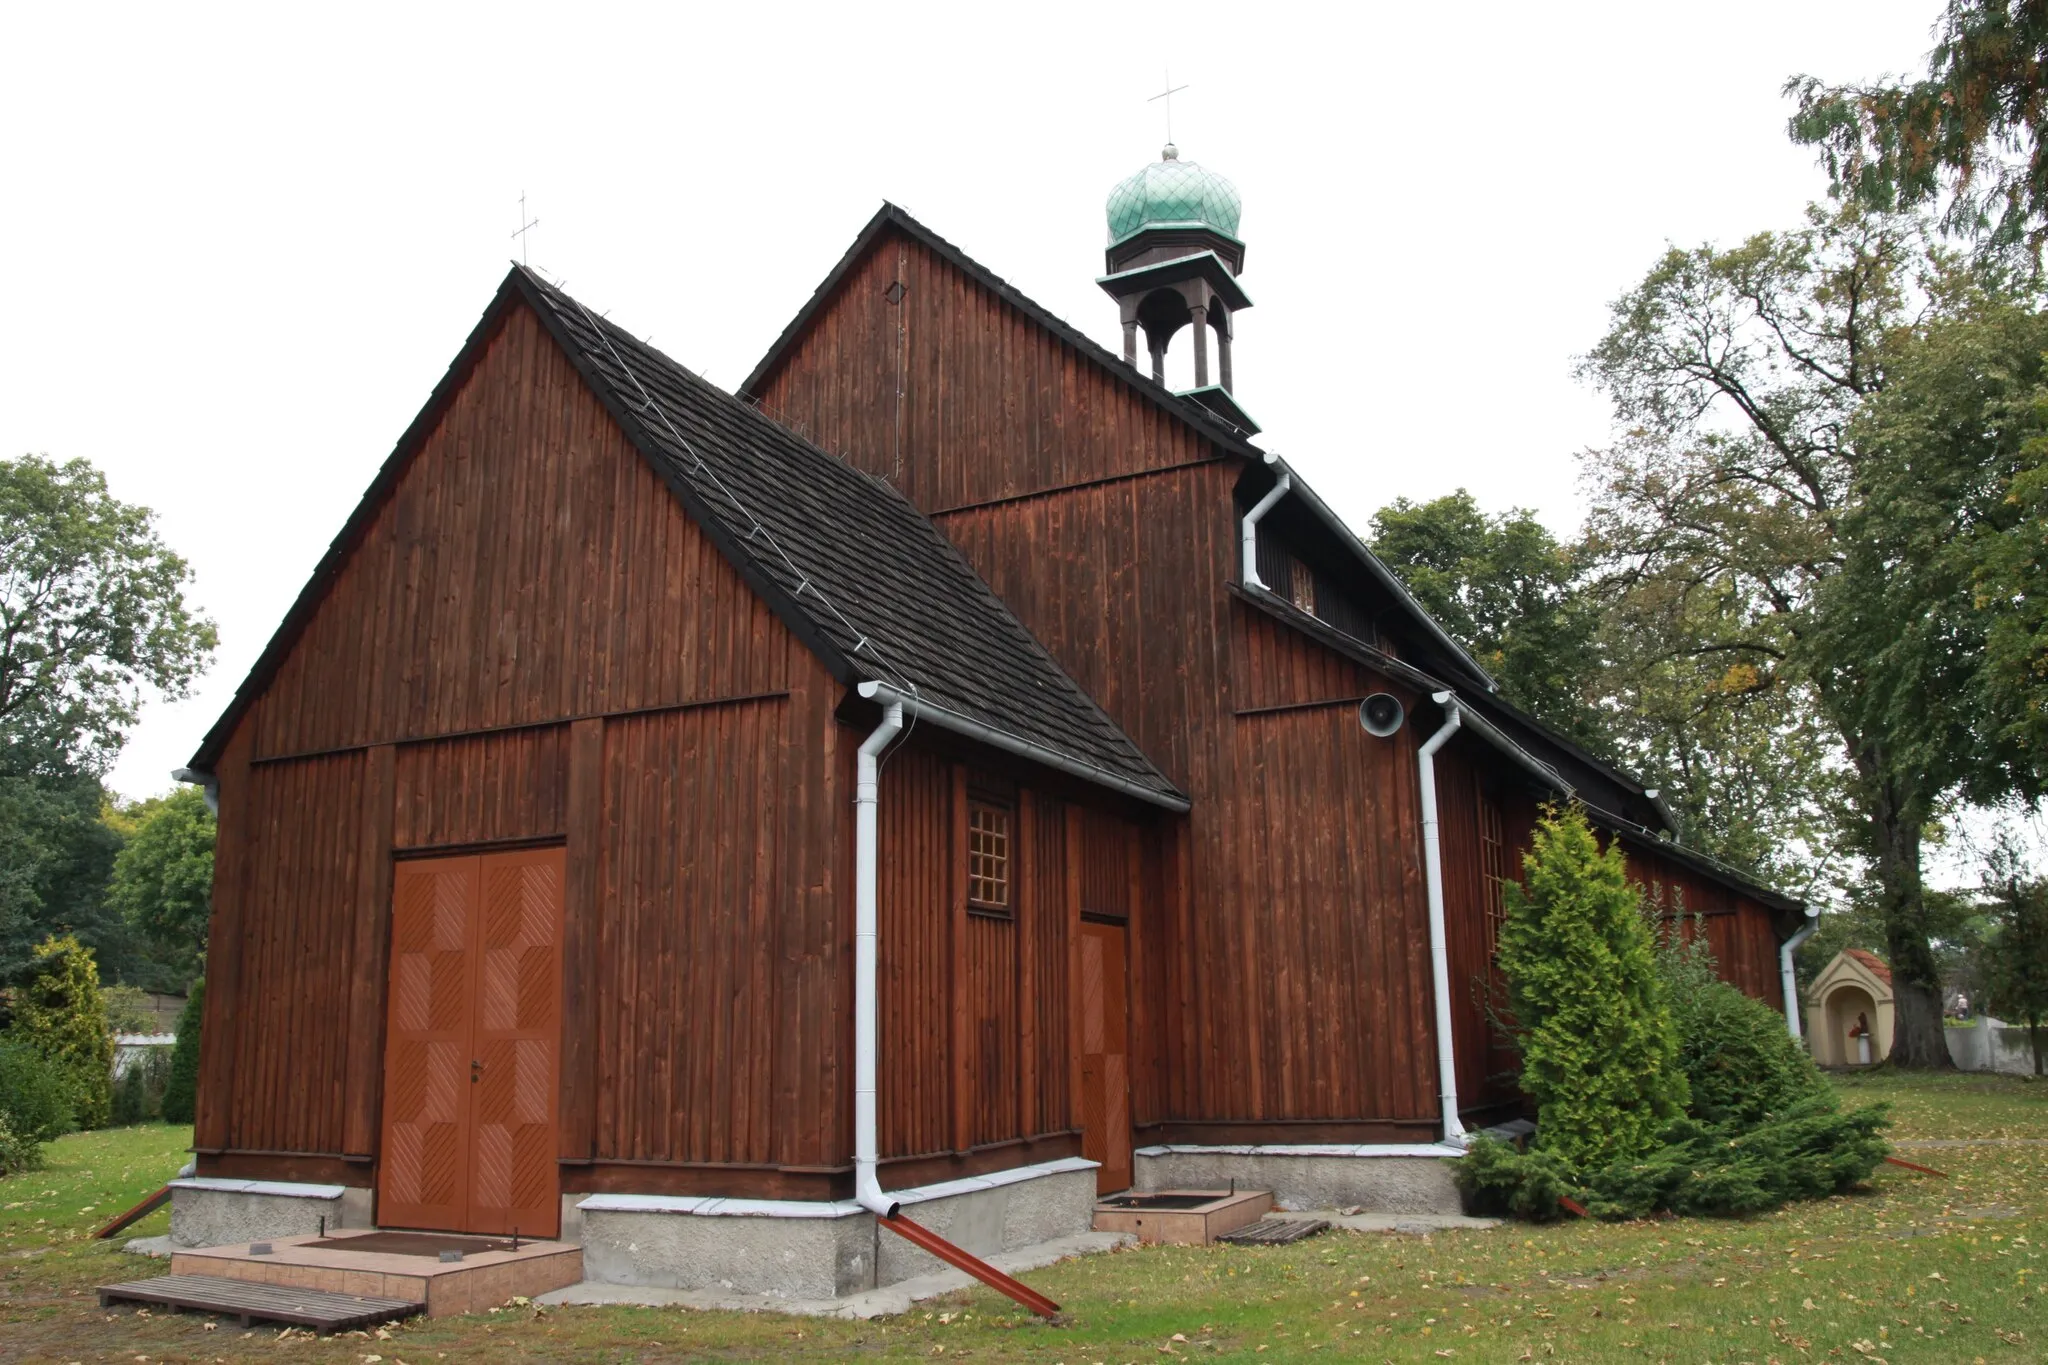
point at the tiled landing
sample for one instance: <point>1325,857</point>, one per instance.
<point>480,1280</point>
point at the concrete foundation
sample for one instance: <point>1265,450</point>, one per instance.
<point>787,1251</point>
<point>1376,1179</point>
<point>985,1218</point>
<point>207,1212</point>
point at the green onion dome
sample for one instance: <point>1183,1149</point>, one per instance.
<point>1171,193</point>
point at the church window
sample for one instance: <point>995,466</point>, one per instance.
<point>1301,586</point>
<point>1492,872</point>
<point>988,857</point>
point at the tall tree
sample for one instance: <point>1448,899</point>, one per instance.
<point>163,878</point>
<point>92,612</point>
<point>1736,378</point>
<point>1505,588</point>
<point>1736,748</point>
<point>93,618</point>
<point>2016,953</point>
<point>1970,128</point>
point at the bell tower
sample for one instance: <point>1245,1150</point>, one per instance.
<point>1173,261</point>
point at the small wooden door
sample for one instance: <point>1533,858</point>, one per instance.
<point>1105,1056</point>
<point>473,1045</point>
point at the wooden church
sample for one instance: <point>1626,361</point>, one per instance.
<point>956,770</point>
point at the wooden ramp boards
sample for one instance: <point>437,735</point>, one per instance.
<point>1271,1232</point>
<point>249,1301</point>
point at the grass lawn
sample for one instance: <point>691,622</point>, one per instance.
<point>1918,1269</point>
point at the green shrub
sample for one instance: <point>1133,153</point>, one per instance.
<point>1599,1050</point>
<point>1503,1181</point>
<point>131,1099</point>
<point>35,1100</point>
<point>1742,1063</point>
<point>18,1152</point>
<point>181,1090</point>
<point>128,1010</point>
<point>1810,1151</point>
<point>61,1013</point>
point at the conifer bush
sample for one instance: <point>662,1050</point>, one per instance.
<point>18,1152</point>
<point>1742,1065</point>
<point>62,1014</point>
<point>181,1091</point>
<point>35,1099</point>
<point>1708,1105</point>
<point>1598,1043</point>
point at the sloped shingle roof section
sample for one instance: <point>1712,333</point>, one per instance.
<point>878,591</point>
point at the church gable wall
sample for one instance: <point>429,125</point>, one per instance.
<point>531,642</point>
<point>954,396</point>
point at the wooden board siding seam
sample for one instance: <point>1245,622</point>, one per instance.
<point>368,952</point>
<point>1076,486</point>
<point>737,699</point>
<point>963,1071</point>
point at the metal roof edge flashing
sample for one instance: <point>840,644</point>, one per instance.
<point>969,728</point>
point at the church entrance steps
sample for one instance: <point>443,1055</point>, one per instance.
<point>407,1266</point>
<point>249,1303</point>
<point>1181,1217</point>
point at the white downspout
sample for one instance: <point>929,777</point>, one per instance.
<point>867,1190</point>
<point>1251,526</point>
<point>1439,953</point>
<point>1787,977</point>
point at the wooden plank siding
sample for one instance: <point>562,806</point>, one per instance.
<point>530,567</point>
<point>970,1001</point>
<point>531,642</point>
<point>1281,979</point>
<point>955,396</point>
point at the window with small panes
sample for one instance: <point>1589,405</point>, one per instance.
<point>990,879</point>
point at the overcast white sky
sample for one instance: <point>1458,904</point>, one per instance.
<point>243,246</point>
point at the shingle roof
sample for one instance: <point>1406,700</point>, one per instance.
<point>1872,961</point>
<point>873,587</point>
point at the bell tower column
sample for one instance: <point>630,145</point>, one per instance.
<point>1199,316</point>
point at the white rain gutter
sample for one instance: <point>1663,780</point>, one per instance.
<point>1251,524</point>
<point>1439,952</point>
<point>1786,976</point>
<point>207,783</point>
<point>867,787</point>
<point>933,714</point>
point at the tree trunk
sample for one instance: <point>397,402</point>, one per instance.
<point>1917,1038</point>
<point>2034,1037</point>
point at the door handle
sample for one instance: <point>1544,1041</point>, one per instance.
<point>476,1069</point>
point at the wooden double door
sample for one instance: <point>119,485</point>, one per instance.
<point>473,1045</point>
<point>1105,1028</point>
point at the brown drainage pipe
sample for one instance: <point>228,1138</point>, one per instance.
<point>920,1236</point>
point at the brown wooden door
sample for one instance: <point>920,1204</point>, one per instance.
<point>474,1043</point>
<point>1105,1056</point>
